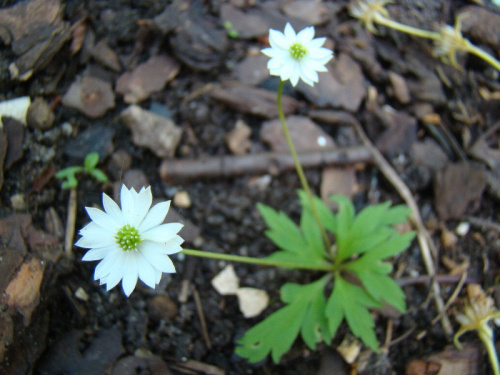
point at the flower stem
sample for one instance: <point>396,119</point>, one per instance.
<point>300,171</point>
<point>257,261</point>
<point>405,28</point>
<point>486,336</point>
<point>471,48</point>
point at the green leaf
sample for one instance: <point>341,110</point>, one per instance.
<point>91,161</point>
<point>293,243</point>
<point>276,334</point>
<point>344,220</point>
<point>312,234</point>
<point>70,171</point>
<point>98,175</point>
<point>396,214</point>
<point>352,302</point>
<point>325,214</point>
<point>70,183</point>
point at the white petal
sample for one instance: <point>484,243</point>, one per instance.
<point>155,216</point>
<point>102,219</point>
<point>305,36</point>
<point>316,43</point>
<point>171,247</point>
<point>278,41</point>
<point>127,202</point>
<point>98,253</point>
<point>130,274</point>
<point>116,274</point>
<point>159,261</point>
<point>295,74</point>
<point>290,33</point>
<point>142,204</point>
<point>147,272</point>
<point>105,266</point>
<point>95,236</point>
<point>309,74</point>
<point>321,53</point>
<point>162,233</point>
<point>112,209</point>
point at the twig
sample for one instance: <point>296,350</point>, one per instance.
<point>70,222</point>
<point>201,316</point>
<point>267,162</point>
<point>442,279</point>
<point>483,224</point>
<point>452,298</point>
<point>423,237</point>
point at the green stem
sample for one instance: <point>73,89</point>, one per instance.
<point>405,28</point>
<point>471,48</point>
<point>486,336</point>
<point>300,171</point>
<point>257,261</point>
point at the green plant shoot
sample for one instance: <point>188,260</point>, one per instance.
<point>359,272</point>
<point>68,175</point>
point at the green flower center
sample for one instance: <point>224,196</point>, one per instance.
<point>297,51</point>
<point>128,238</point>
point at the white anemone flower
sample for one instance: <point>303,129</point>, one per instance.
<point>132,241</point>
<point>297,56</point>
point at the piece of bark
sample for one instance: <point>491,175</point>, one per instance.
<point>456,187</point>
<point>104,55</point>
<point>14,131</point>
<point>147,78</point>
<point>306,135</point>
<point>36,31</point>
<point>254,101</point>
<point>271,162</point>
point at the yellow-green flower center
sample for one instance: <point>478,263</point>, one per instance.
<point>297,51</point>
<point>128,238</point>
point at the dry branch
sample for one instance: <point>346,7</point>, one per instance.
<point>267,162</point>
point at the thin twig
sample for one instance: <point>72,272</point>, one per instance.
<point>70,222</point>
<point>453,297</point>
<point>423,236</point>
<point>201,316</point>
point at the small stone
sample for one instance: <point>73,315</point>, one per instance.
<point>462,229</point>
<point>81,294</point>
<point>313,12</point>
<point>252,301</point>
<point>226,282</point>
<point>252,70</point>
<point>336,180</point>
<point>157,133</point>
<point>238,139</point>
<point>106,56</point>
<point>91,96</point>
<point>181,199</point>
<point>448,238</point>
<point>40,115</point>
<point>135,178</point>
<point>18,202</point>
<point>162,307</point>
<point>401,91</point>
<point>147,78</point>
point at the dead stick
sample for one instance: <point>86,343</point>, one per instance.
<point>423,236</point>
<point>201,316</point>
<point>267,162</point>
<point>70,223</point>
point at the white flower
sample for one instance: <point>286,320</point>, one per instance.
<point>296,56</point>
<point>132,241</point>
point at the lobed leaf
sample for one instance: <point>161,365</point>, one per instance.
<point>276,334</point>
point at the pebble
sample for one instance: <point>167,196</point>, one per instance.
<point>238,139</point>
<point>119,163</point>
<point>182,199</point>
<point>401,91</point>
<point>157,133</point>
<point>91,96</point>
<point>40,115</point>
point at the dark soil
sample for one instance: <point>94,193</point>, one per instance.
<point>224,210</point>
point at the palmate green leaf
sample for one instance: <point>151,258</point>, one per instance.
<point>275,335</point>
<point>325,214</point>
<point>296,245</point>
<point>352,302</point>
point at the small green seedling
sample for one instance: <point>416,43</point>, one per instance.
<point>359,271</point>
<point>68,175</point>
<point>231,31</point>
